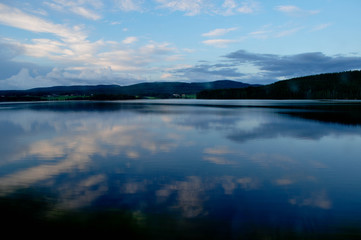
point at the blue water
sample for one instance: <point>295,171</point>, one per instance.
<point>189,168</point>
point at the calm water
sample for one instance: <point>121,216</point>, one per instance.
<point>186,169</point>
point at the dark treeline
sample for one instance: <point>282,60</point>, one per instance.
<point>116,92</point>
<point>39,97</point>
<point>343,85</point>
<point>100,92</point>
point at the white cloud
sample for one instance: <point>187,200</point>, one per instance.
<point>121,59</point>
<point>156,49</point>
<point>38,12</point>
<point>129,5</point>
<point>79,52</point>
<point>248,7</point>
<point>71,47</point>
<point>115,23</point>
<point>85,13</point>
<point>77,7</point>
<point>260,34</point>
<point>87,56</point>
<point>54,6</point>
<point>95,3</point>
<point>295,11</point>
<point>82,73</point>
<point>232,7</point>
<point>321,27</point>
<point>218,32</point>
<point>190,7</point>
<point>16,18</point>
<point>229,4</point>
<point>288,32</point>
<point>44,47</point>
<point>23,80</point>
<point>90,63</point>
<point>270,31</point>
<point>288,8</point>
<point>130,40</point>
<point>221,43</point>
<point>166,76</point>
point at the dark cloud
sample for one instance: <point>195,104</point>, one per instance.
<point>243,57</point>
<point>209,72</point>
<point>219,70</point>
<point>9,51</point>
<point>288,66</point>
<point>272,67</point>
<point>9,67</point>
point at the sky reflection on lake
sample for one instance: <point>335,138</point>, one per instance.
<point>256,164</point>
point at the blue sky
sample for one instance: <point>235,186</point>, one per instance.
<point>74,42</point>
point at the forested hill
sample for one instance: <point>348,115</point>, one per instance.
<point>171,89</point>
<point>343,85</point>
<point>114,92</point>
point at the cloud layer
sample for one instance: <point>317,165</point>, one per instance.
<point>128,41</point>
<point>270,67</point>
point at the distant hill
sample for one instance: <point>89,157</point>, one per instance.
<point>343,85</point>
<point>113,92</point>
<point>171,89</point>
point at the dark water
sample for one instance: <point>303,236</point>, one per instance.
<point>183,169</point>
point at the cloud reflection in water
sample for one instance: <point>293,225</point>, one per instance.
<point>186,159</point>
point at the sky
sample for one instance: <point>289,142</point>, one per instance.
<point>76,42</point>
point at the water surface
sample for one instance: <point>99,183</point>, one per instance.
<point>187,169</point>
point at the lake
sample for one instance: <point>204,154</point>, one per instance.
<point>183,169</point>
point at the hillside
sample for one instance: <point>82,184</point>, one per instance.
<point>171,89</point>
<point>344,85</point>
<point>116,92</point>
